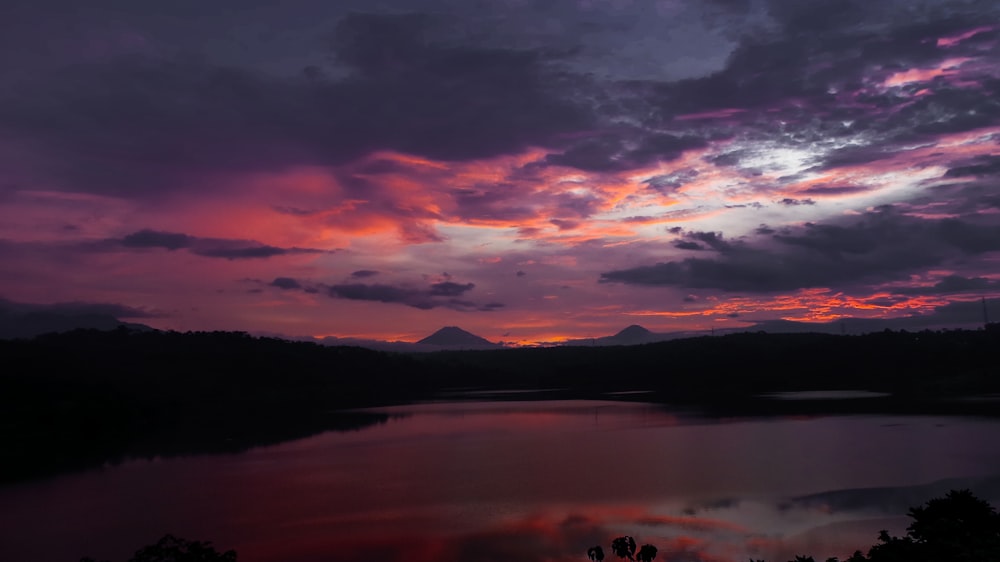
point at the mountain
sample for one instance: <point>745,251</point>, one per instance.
<point>453,337</point>
<point>632,335</point>
<point>449,338</point>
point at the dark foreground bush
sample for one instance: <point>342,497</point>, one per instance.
<point>174,549</point>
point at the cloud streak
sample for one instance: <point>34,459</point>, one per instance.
<point>206,247</point>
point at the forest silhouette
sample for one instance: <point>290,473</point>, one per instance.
<point>88,397</point>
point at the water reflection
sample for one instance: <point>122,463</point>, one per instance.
<point>522,481</point>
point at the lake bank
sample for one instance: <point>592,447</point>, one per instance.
<point>90,398</point>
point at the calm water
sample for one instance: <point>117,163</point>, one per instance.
<point>521,481</point>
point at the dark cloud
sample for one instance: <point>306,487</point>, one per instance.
<point>688,245</point>
<point>136,125</point>
<point>855,156</point>
<point>381,293</point>
<point>503,202</point>
<point>382,43</point>
<point>154,239</point>
<point>563,224</point>
<point>973,197</point>
<point>593,155</point>
<point>713,240</point>
<point>236,253</point>
<point>615,152</point>
<point>981,166</point>
<point>285,283</point>
<point>957,283</point>
<point>753,205</point>
<point>140,124</point>
<point>739,6</point>
<point>670,182</point>
<point>811,17</point>
<point>294,211</point>
<point>697,240</point>
<point>443,294</point>
<point>364,273</point>
<point>663,148</point>
<point>953,284</point>
<point>828,190</point>
<point>446,100</point>
<point>880,246</point>
<point>206,247</point>
<point>449,289</point>
<point>78,309</point>
<point>968,237</point>
<point>788,201</point>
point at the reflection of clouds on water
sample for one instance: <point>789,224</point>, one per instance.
<point>557,536</point>
<point>534,538</point>
<point>526,481</point>
<point>894,500</point>
<point>534,481</point>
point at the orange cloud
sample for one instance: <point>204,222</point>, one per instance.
<point>956,39</point>
<point>945,68</point>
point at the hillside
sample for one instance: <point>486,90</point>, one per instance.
<point>87,397</point>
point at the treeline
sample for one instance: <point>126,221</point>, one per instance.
<point>706,369</point>
<point>86,397</point>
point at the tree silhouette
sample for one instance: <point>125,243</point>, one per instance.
<point>646,554</point>
<point>958,527</point>
<point>623,547</point>
<point>596,553</point>
<point>175,549</point>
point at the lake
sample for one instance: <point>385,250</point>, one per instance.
<point>521,481</point>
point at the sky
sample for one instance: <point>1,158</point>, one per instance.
<point>532,171</point>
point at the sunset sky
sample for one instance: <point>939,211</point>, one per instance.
<point>529,170</point>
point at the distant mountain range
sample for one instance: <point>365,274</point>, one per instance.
<point>449,338</point>
<point>21,320</point>
<point>632,335</point>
